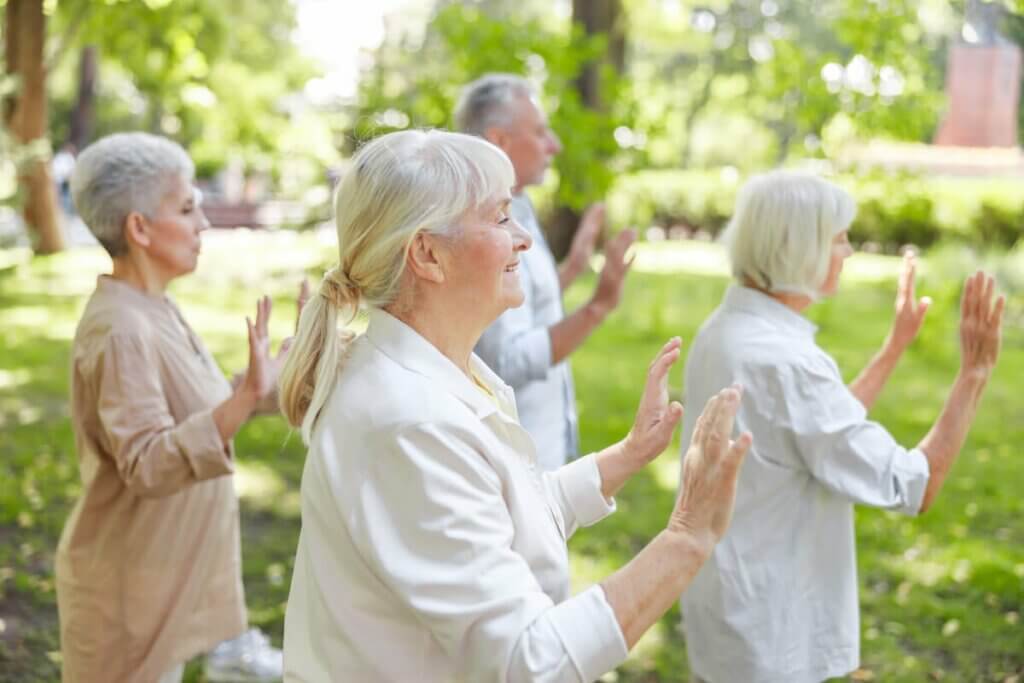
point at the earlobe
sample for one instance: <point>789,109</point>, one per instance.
<point>425,260</point>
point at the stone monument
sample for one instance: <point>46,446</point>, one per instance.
<point>982,84</point>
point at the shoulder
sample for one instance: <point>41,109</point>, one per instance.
<point>374,394</point>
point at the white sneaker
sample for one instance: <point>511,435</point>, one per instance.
<point>249,658</point>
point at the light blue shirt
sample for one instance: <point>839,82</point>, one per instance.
<point>777,600</point>
<point>517,346</point>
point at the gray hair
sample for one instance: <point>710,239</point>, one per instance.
<point>780,236</point>
<point>122,173</point>
<point>484,103</point>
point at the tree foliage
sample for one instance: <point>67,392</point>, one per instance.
<point>416,79</point>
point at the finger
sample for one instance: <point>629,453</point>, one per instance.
<point>911,274</point>
<point>922,306</point>
<point>965,299</point>
<point>701,427</point>
<point>267,305</point>
<point>726,414</point>
<point>738,449</point>
<point>986,299</point>
<point>996,319</point>
<point>901,281</point>
<point>251,332</point>
<point>672,343</point>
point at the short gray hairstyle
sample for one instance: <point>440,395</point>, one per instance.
<point>122,173</point>
<point>780,236</point>
<point>485,103</point>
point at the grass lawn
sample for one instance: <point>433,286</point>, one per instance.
<point>941,596</point>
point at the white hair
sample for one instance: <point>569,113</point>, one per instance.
<point>780,236</point>
<point>485,103</point>
<point>122,173</point>
<point>399,185</point>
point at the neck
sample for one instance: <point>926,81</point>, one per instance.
<point>795,302</point>
<point>438,324</point>
<point>139,275</point>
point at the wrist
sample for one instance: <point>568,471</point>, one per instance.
<point>596,311</point>
<point>688,542</point>
<point>891,349</point>
<point>973,378</point>
<point>245,399</point>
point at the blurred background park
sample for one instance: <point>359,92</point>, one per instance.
<point>664,107</point>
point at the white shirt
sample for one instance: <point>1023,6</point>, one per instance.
<point>518,348</point>
<point>431,548</point>
<point>777,601</point>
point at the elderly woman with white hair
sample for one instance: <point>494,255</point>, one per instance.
<point>148,566</point>
<point>777,601</point>
<point>432,547</point>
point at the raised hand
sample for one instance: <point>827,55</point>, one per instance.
<point>657,417</point>
<point>980,325</point>
<point>710,470</point>
<point>613,275</point>
<point>261,374</point>
<point>910,310</point>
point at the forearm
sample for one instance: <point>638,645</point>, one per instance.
<point>642,591</point>
<point>943,442</point>
<point>869,383</point>
<point>573,330</point>
<point>230,415</point>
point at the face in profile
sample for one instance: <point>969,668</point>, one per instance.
<point>840,251</point>
<point>483,268</point>
<point>529,142</point>
<point>174,228</point>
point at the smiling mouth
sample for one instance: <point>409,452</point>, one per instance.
<point>512,268</point>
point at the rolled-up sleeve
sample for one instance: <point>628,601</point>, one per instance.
<point>154,455</point>
<point>515,346</point>
<point>433,524</point>
<point>576,490</point>
<point>845,451</point>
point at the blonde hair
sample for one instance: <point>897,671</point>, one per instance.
<point>780,236</point>
<point>399,185</point>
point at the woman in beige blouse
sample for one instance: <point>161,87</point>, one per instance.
<point>433,548</point>
<point>148,566</point>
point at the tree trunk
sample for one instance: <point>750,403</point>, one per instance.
<point>596,17</point>
<point>85,108</point>
<point>26,118</point>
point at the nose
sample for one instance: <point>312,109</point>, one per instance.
<point>204,224</point>
<point>521,240</point>
<point>554,144</point>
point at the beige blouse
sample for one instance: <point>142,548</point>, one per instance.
<point>148,566</point>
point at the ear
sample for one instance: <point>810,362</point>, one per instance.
<point>136,230</point>
<point>426,258</point>
<point>498,137</point>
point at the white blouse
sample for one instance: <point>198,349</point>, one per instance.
<point>777,601</point>
<point>432,549</point>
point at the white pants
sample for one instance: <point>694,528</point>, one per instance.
<point>174,675</point>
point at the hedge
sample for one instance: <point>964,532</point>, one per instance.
<point>893,210</point>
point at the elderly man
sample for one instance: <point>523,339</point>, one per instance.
<point>529,346</point>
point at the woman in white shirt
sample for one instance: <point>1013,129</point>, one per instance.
<point>777,601</point>
<point>432,548</point>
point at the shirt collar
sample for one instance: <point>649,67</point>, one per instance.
<point>750,300</point>
<point>408,348</point>
<point>112,287</point>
